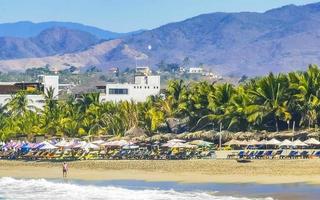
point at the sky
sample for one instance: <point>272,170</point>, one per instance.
<point>127,15</point>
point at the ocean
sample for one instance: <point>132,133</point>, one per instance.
<point>11,188</point>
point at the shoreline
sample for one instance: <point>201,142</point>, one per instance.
<point>182,171</point>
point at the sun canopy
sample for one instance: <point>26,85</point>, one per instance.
<point>63,144</point>
<point>119,143</point>
<point>176,141</point>
<point>286,142</point>
<point>312,141</point>
<point>252,142</point>
<point>90,146</point>
<point>98,142</point>
<point>299,143</point>
<point>273,142</point>
<point>130,147</point>
<point>232,142</point>
<point>46,146</point>
<point>201,143</point>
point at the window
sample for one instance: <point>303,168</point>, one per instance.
<point>118,91</point>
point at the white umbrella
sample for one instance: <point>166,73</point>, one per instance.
<point>118,143</point>
<point>299,143</point>
<point>131,147</point>
<point>253,142</point>
<point>90,146</point>
<point>79,145</point>
<point>177,145</point>
<point>47,146</point>
<point>176,141</point>
<point>63,144</point>
<point>262,142</point>
<point>273,141</point>
<point>286,142</point>
<point>232,142</point>
<point>98,142</point>
<point>312,141</point>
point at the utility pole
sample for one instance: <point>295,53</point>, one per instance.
<point>220,135</point>
<point>293,126</point>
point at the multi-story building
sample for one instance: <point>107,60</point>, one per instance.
<point>35,90</point>
<point>144,85</point>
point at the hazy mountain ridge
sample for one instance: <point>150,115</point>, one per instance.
<point>51,41</point>
<point>282,39</point>
<point>27,29</point>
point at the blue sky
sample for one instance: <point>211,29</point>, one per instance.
<point>127,15</point>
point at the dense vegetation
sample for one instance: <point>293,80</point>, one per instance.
<point>266,103</point>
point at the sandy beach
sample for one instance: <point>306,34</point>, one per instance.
<point>187,171</point>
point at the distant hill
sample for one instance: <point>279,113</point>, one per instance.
<point>26,29</point>
<point>49,42</point>
<point>283,39</point>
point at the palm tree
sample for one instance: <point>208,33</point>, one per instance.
<point>219,101</point>
<point>269,100</point>
<point>19,103</point>
<point>306,90</point>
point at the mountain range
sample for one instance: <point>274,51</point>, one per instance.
<point>279,40</point>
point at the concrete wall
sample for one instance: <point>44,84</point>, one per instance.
<point>53,82</point>
<point>36,101</point>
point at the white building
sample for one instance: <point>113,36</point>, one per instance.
<point>143,87</point>
<point>195,70</point>
<point>35,90</point>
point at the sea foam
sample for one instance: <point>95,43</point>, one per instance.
<point>11,188</point>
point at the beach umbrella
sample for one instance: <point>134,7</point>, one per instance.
<point>119,143</point>
<point>262,142</point>
<point>25,148</point>
<point>232,142</point>
<point>63,144</point>
<point>176,141</point>
<point>90,146</point>
<point>286,142</point>
<point>273,141</point>
<point>201,143</point>
<point>312,141</point>
<point>80,144</point>
<point>299,143</point>
<point>46,146</point>
<point>253,142</point>
<point>178,145</point>
<point>98,142</point>
<point>130,147</point>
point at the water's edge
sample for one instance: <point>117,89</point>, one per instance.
<point>11,188</point>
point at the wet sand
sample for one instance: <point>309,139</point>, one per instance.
<point>187,171</point>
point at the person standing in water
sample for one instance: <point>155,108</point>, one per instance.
<point>64,169</point>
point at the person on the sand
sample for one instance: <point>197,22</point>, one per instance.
<point>64,170</point>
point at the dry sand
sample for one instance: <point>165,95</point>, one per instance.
<point>187,171</point>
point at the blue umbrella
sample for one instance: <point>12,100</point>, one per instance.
<point>25,148</point>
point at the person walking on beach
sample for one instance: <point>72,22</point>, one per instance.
<point>64,169</point>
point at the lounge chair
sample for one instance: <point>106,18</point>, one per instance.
<point>304,154</point>
<point>241,154</point>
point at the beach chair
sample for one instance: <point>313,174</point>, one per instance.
<point>267,154</point>
<point>317,154</point>
<point>283,155</point>
<point>277,154</point>
<point>292,155</point>
<point>259,154</point>
<point>250,155</point>
<point>304,154</point>
<point>241,154</point>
